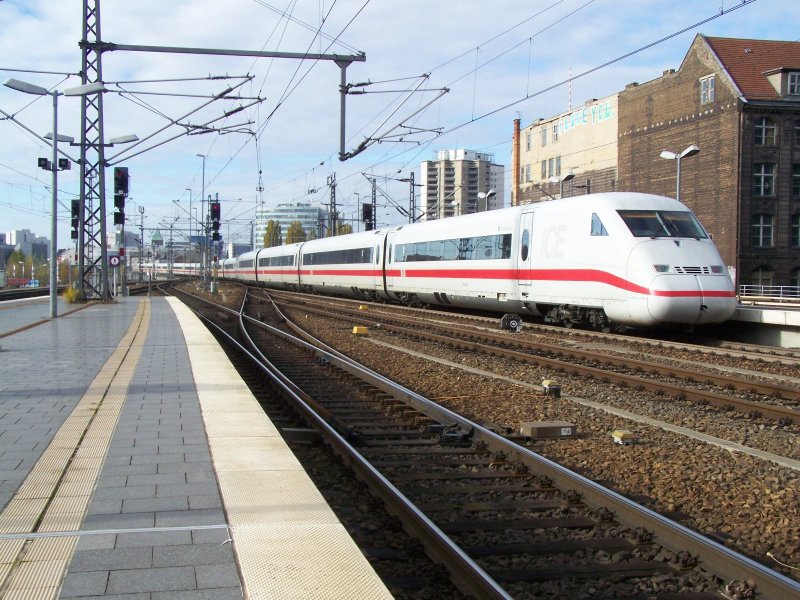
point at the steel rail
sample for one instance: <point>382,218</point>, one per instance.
<point>466,574</point>
<point>678,391</point>
<point>724,562</point>
<point>728,565</point>
<point>747,385</point>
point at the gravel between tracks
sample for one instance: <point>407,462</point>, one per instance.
<point>750,504</point>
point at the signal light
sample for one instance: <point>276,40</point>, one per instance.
<point>75,219</point>
<point>366,216</point>
<point>120,180</point>
<point>119,201</point>
<point>119,218</point>
<point>215,210</point>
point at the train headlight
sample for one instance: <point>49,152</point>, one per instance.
<point>661,268</point>
<point>718,269</point>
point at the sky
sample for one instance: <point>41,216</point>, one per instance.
<point>442,75</point>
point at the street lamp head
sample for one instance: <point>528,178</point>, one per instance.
<point>690,151</point>
<point>86,89</point>
<point>568,176</point>
<point>24,86</point>
<point>61,138</point>
<point>668,155</point>
<point>124,139</point>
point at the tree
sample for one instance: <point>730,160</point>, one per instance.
<point>14,269</point>
<point>344,229</point>
<point>273,236</point>
<point>296,233</point>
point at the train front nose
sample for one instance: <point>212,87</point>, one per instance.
<point>691,299</point>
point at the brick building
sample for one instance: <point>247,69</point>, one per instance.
<point>739,101</point>
<point>571,153</point>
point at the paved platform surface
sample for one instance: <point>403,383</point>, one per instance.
<point>110,487</point>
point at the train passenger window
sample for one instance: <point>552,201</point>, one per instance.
<point>523,248</point>
<point>483,247</point>
<point>377,255</point>
<point>597,226</point>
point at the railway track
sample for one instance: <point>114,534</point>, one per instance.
<point>505,521</point>
<point>779,402</point>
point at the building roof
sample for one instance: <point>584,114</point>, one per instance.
<point>747,61</point>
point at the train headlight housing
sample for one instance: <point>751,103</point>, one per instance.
<point>718,269</point>
<point>661,268</point>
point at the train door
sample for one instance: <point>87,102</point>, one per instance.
<point>524,252</point>
<point>389,273</point>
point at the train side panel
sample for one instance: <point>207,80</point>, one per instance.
<point>347,265</point>
<point>467,261</point>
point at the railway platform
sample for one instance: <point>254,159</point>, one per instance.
<point>135,463</point>
<point>773,325</point>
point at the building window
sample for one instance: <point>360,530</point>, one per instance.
<point>794,84</point>
<point>796,181</point>
<point>522,174</point>
<point>762,231</point>
<point>527,172</point>
<point>558,166</point>
<point>528,137</point>
<point>797,133</point>
<point>796,277</point>
<point>707,89</point>
<point>551,166</point>
<point>555,132</point>
<point>544,169</point>
<point>766,132</point>
<point>796,231</point>
<point>544,136</point>
<point>763,179</point>
<point>762,276</point>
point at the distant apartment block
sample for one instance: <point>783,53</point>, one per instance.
<point>460,182</point>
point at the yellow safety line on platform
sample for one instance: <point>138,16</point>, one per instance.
<point>57,491</point>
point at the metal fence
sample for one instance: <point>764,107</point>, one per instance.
<point>770,293</point>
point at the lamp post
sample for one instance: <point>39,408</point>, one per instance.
<point>688,151</point>
<point>485,196</point>
<point>81,90</point>
<point>203,220</point>
<point>561,180</point>
<point>190,218</point>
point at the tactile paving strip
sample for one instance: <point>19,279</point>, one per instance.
<point>57,491</point>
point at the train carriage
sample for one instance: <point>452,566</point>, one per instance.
<point>347,264</point>
<point>601,260</point>
<point>465,262</point>
<point>279,265</point>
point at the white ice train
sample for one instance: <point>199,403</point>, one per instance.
<point>600,260</point>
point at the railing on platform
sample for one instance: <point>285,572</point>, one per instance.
<point>767,294</point>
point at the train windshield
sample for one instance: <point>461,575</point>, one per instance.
<point>662,223</point>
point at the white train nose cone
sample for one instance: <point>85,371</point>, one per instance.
<point>693,300</point>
